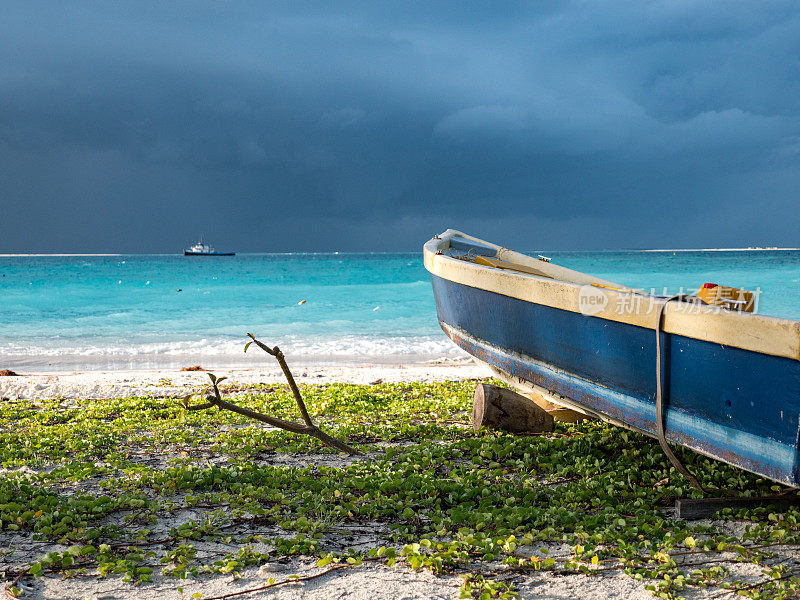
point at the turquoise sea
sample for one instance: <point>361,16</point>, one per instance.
<point>118,312</point>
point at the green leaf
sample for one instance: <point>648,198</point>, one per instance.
<point>324,561</point>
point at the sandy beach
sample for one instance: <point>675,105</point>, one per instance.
<point>301,576</point>
<point>103,384</point>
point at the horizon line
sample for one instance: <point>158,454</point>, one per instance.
<point>334,252</point>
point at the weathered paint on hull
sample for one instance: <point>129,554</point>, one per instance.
<point>732,404</point>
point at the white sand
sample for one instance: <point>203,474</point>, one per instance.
<point>103,384</point>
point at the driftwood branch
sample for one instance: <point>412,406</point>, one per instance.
<point>276,352</point>
<point>306,428</point>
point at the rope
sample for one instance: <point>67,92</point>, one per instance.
<point>662,438</point>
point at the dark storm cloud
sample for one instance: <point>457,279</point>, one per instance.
<point>136,126</point>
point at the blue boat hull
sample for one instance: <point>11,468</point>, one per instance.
<point>736,405</point>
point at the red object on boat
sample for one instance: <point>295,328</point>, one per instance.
<point>710,285</point>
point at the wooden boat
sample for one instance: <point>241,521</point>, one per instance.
<point>730,380</point>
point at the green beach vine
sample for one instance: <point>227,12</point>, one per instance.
<point>139,488</point>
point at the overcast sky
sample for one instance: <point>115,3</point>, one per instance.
<point>289,126</point>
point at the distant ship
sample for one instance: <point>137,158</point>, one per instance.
<point>203,249</point>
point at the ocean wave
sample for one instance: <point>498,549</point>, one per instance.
<point>357,347</point>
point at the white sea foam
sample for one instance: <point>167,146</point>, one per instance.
<point>343,350</point>
<point>347,345</point>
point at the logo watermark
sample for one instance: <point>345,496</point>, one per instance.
<point>593,300</point>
